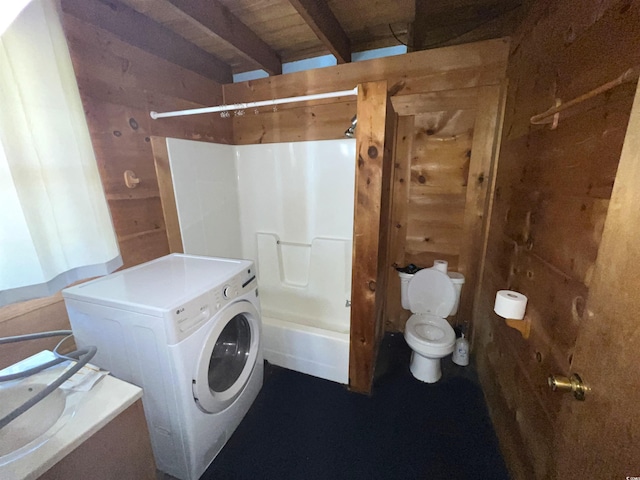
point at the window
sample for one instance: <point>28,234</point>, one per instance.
<point>9,11</point>
<point>55,226</point>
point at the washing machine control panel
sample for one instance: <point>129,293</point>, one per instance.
<point>187,318</point>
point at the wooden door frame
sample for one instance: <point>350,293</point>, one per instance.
<point>488,102</point>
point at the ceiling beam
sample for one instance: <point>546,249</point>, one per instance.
<point>218,21</point>
<point>325,25</point>
<point>142,32</point>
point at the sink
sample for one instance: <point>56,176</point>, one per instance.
<point>48,432</point>
<point>33,423</point>
<point>38,424</point>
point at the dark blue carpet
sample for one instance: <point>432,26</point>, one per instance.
<point>302,427</point>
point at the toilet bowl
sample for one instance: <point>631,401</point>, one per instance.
<point>431,295</point>
<point>431,338</point>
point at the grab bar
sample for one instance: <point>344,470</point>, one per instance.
<point>293,244</point>
<point>300,244</point>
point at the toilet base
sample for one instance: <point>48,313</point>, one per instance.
<point>425,369</point>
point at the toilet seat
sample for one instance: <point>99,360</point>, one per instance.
<point>431,291</point>
<point>429,334</point>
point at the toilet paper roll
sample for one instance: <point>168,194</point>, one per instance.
<point>441,265</point>
<point>510,304</point>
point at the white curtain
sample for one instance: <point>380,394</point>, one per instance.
<point>55,226</point>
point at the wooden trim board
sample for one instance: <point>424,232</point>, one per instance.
<point>167,194</point>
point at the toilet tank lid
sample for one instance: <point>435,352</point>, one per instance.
<point>431,291</point>
<point>456,278</point>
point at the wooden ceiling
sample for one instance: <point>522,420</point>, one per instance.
<point>244,35</point>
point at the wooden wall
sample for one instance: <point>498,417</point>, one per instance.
<point>119,85</point>
<point>552,196</point>
<point>443,180</point>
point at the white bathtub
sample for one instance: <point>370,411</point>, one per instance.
<point>304,295</point>
<point>320,352</point>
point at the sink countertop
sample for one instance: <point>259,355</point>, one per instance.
<point>97,407</point>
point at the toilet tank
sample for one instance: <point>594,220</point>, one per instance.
<point>405,278</point>
<point>458,282</point>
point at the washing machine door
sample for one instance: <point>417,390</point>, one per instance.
<point>228,357</point>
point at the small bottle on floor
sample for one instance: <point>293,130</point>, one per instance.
<point>461,352</point>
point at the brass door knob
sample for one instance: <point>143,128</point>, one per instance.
<point>573,384</point>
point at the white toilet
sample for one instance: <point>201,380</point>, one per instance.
<point>431,295</point>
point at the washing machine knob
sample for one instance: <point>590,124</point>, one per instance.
<point>227,291</point>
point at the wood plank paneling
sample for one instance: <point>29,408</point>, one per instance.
<point>167,15</point>
<point>433,239</point>
<point>446,100</point>
<point>448,68</point>
<point>218,21</point>
<point>285,30</point>
<point>395,314</point>
<point>143,246</point>
<point>138,30</point>
<point>608,421</point>
<point>443,23</point>
<point>440,166</point>
<point>439,171</point>
<point>550,204</point>
<point>277,22</point>
<point>324,121</point>
<point>122,74</point>
<point>324,24</point>
<point>437,209</point>
<point>131,217</point>
<point>385,252</point>
<point>121,128</point>
<point>480,187</point>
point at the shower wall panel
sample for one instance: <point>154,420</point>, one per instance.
<point>206,192</point>
<point>296,203</point>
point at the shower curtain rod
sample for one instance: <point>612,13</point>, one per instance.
<point>263,103</point>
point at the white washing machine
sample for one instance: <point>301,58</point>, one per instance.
<point>187,330</point>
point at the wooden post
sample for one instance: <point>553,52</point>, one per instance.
<point>370,233</point>
<point>480,188</point>
<point>397,316</point>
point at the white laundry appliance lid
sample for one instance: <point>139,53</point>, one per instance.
<point>431,291</point>
<point>159,285</point>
